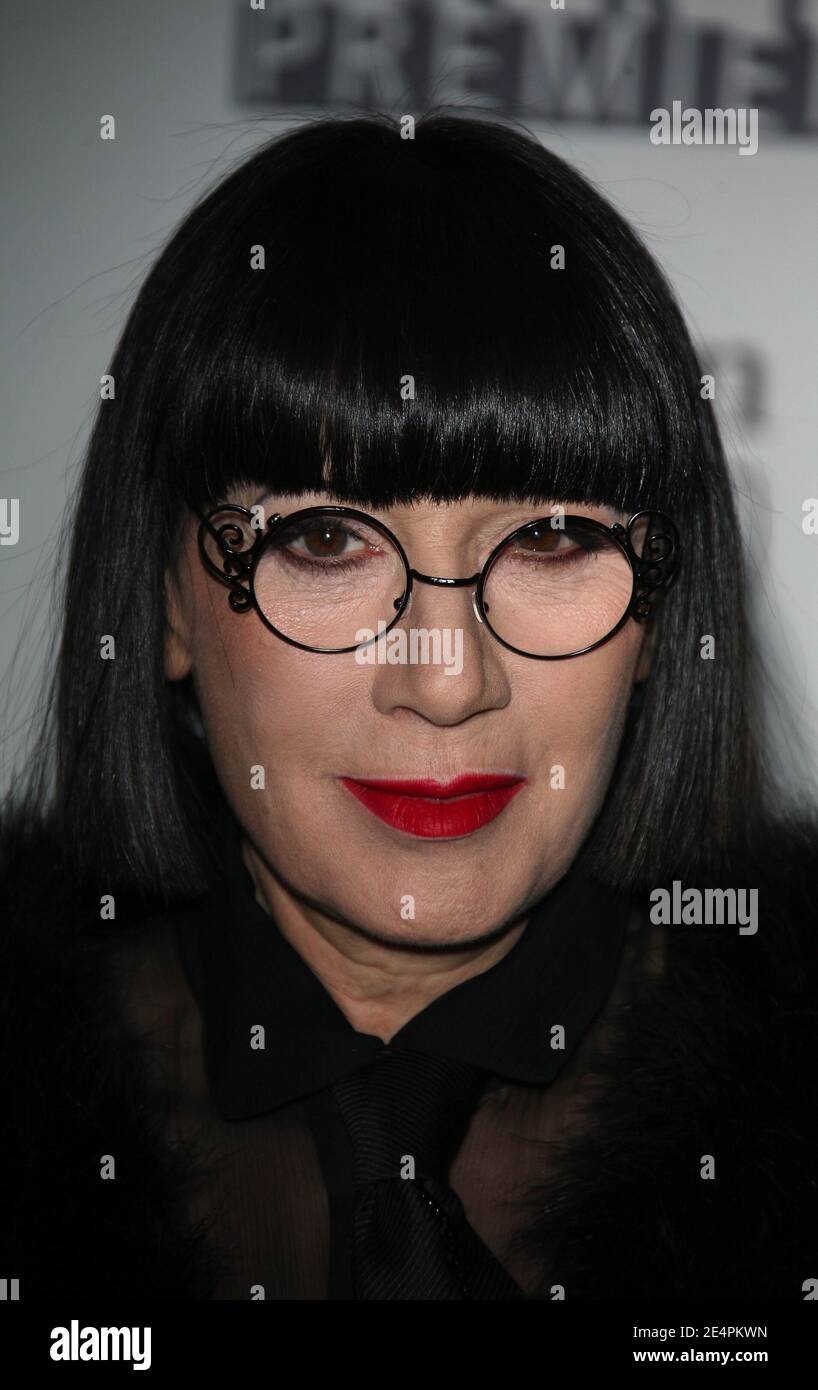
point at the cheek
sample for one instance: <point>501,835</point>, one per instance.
<point>581,711</point>
<point>264,702</point>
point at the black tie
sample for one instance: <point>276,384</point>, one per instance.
<point>411,1236</point>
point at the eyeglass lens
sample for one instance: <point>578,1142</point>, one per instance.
<point>552,590</point>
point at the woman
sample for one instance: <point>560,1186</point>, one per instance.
<point>472,963</point>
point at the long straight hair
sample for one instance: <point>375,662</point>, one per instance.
<point>269,343</point>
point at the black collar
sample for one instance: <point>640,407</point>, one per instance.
<point>244,973</point>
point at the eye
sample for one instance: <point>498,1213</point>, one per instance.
<point>323,541</point>
<point>563,545</point>
<point>543,539</point>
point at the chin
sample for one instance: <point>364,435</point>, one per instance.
<point>436,932</point>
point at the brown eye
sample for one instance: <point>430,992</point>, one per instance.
<point>540,538</point>
<point>315,540</point>
<point>324,541</point>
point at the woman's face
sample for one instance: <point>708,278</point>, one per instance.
<point>320,724</point>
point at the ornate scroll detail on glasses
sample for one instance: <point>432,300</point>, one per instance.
<point>656,566</point>
<point>237,552</point>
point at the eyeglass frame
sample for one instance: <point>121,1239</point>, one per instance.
<point>649,572</point>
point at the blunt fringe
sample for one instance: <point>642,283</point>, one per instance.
<point>383,257</point>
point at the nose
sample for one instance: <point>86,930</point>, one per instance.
<point>475,606</point>
<point>422,687</point>
<point>443,581</point>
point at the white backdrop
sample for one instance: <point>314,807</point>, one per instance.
<point>193,84</point>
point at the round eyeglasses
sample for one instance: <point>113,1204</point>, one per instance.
<point>327,579</point>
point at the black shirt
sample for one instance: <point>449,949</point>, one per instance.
<point>520,1021</point>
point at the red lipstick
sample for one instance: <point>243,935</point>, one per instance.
<point>437,810</point>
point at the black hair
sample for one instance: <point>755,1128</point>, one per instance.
<point>550,361</point>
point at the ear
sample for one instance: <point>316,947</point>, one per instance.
<point>645,661</point>
<point>178,658</point>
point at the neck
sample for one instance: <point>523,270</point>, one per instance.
<point>378,986</point>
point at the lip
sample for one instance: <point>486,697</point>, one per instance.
<point>437,810</point>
